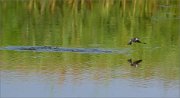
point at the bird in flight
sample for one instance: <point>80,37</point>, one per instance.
<point>135,40</point>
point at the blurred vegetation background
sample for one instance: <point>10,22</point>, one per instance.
<point>92,24</point>
<point>78,21</point>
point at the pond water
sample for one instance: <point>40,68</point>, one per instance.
<point>80,49</point>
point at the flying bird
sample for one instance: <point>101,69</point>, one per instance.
<point>135,40</point>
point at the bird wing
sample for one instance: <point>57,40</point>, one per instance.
<point>137,62</point>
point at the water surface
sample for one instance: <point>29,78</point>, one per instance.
<point>88,54</point>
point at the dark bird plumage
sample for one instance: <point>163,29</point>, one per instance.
<point>134,40</point>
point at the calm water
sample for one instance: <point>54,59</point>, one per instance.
<point>92,26</point>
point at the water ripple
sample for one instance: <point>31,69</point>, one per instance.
<point>62,49</point>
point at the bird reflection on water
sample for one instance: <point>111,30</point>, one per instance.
<point>134,63</point>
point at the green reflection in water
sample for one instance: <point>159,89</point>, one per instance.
<point>92,24</point>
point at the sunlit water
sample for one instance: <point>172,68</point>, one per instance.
<point>39,74</point>
<point>76,70</point>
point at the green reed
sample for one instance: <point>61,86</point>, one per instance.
<point>129,7</point>
<point>82,23</point>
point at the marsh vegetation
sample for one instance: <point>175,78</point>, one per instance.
<point>87,24</point>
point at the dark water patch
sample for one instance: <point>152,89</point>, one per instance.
<point>63,49</point>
